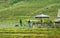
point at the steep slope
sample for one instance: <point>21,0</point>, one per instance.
<point>31,8</point>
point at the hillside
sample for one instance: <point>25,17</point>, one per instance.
<point>31,8</point>
<point>17,19</point>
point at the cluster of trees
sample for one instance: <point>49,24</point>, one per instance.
<point>14,1</point>
<point>11,1</point>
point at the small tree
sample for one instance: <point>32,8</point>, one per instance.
<point>15,1</point>
<point>29,23</point>
<point>20,22</point>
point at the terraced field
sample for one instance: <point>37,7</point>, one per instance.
<point>30,33</point>
<point>32,8</point>
<point>27,9</point>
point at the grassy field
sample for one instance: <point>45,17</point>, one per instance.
<point>32,8</point>
<point>30,33</point>
<point>27,9</point>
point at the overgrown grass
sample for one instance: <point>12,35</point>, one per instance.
<point>30,7</point>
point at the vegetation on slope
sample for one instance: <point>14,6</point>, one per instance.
<point>31,8</point>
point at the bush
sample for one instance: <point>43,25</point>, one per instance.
<point>15,1</point>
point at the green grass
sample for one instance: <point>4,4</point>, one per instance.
<point>27,9</point>
<point>41,32</point>
<point>32,8</point>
